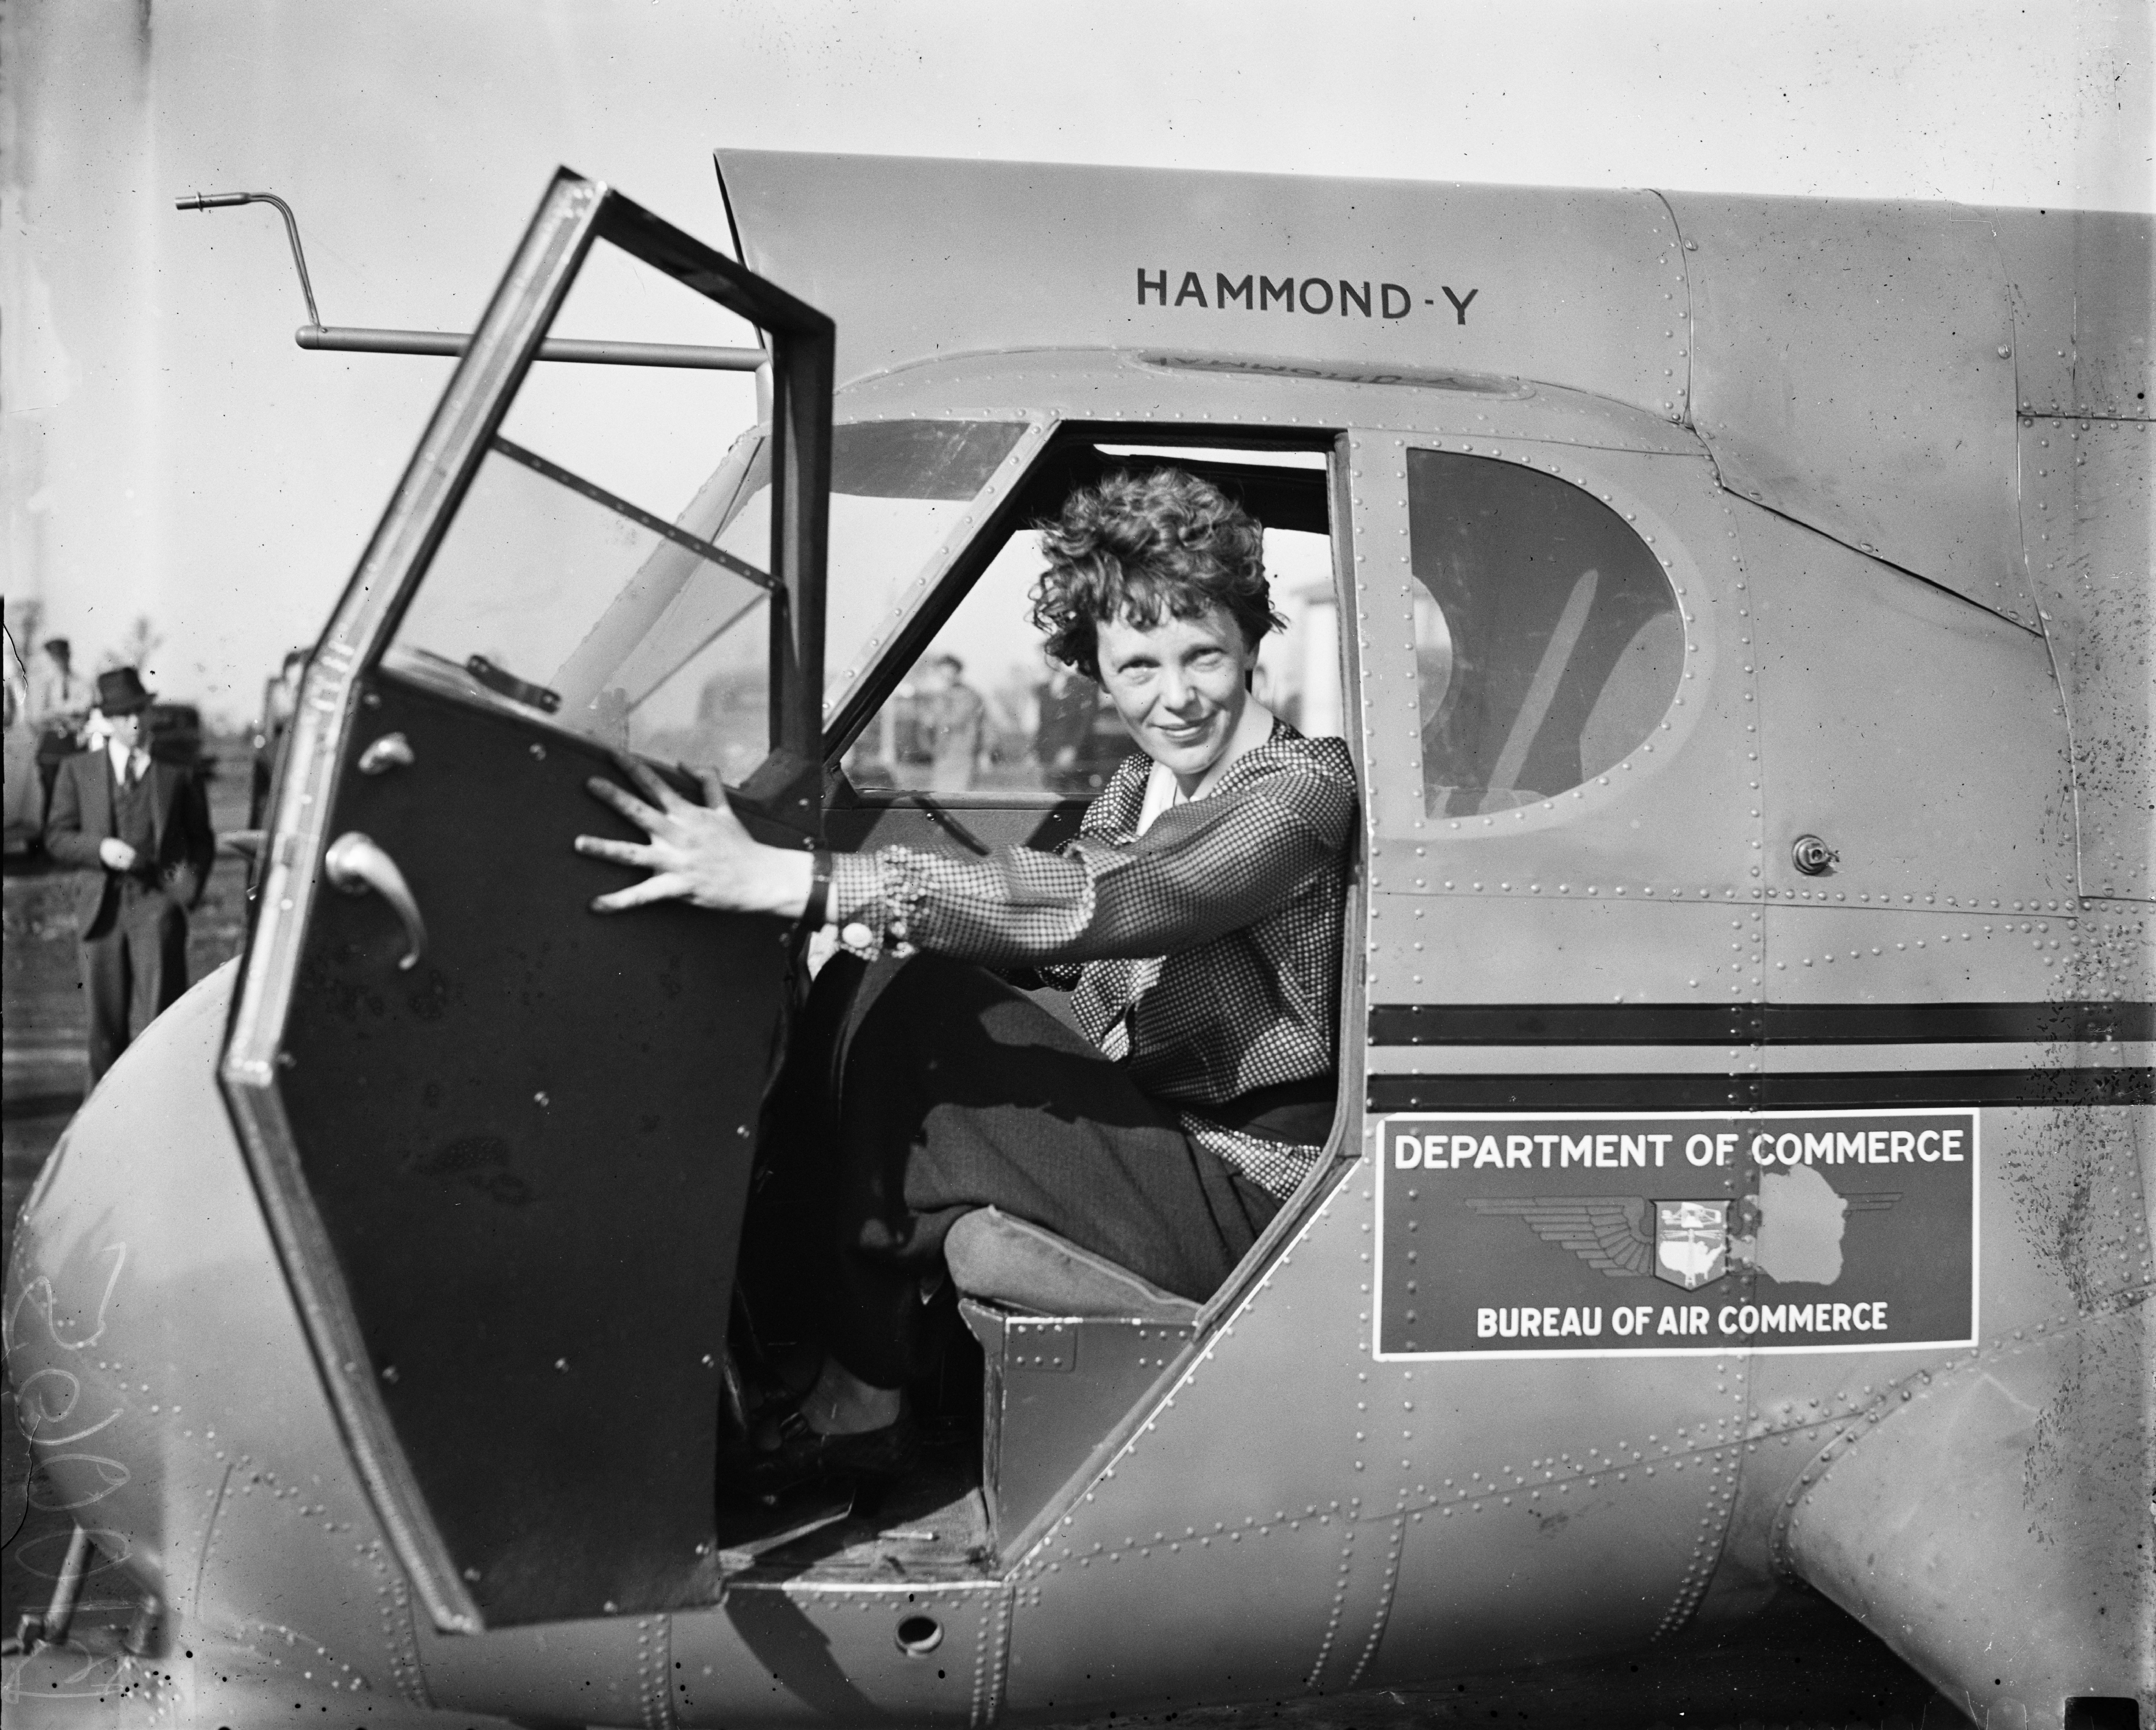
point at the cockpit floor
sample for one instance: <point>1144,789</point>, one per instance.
<point>932,1527</point>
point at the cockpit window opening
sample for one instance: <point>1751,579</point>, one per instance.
<point>1004,723</point>
<point>1549,643</point>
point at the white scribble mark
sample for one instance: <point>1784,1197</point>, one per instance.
<point>39,1292</point>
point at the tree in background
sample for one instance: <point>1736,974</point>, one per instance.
<point>139,642</point>
<point>25,619</point>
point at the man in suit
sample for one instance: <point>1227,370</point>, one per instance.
<point>139,831</point>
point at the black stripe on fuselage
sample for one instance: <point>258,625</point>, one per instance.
<point>1909,1023</point>
<point>1819,1090</point>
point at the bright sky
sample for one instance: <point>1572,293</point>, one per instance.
<point>169,452</point>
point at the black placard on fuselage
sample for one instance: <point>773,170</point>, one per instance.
<point>1574,1234</point>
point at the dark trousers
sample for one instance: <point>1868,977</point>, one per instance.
<point>142,958</point>
<point>919,1090</point>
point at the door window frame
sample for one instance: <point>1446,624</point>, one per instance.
<point>574,214</point>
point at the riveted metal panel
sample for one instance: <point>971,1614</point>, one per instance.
<point>1583,287</point>
<point>1936,1005</point>
<point>2082,317</point>
<point>1056,1386</point>
<point>2065,1227</point>
<point>1921,737</point>
<point>2016,1484</point>
<point>1796,1405</point>
<point>1041,1348</point>
<point>1231,1510</point>
<point>1930,952</point>
<point>1596,1491</point>
<point>2115,958</point>
<point>1854,369</point>
<point>1543,940</point>
<point>610,1671</point>
<point>1573,898</point>
<point>793,1654</point>
<point>159,1368</point>
<point>2087,517</point>
<point>2067,1224</point>
<point>1384,597</point>
<point>1107,385</point>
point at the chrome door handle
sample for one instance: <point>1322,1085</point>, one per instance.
<point>356,866</point>
<point>392,751</point>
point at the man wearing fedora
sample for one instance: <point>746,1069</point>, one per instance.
<point>139,831</point>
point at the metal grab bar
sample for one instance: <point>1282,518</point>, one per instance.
<point>222,201</point>
<point>352,339</point>
<point>357,865</point>
<point>358,339</point>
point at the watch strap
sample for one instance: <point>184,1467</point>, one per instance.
<point>816,909</point>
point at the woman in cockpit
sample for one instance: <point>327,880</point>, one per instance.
<point>1195,919</point>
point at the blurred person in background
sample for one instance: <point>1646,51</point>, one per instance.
<point>59,698</point>
<point>953,722</point>
<point>25,795</point>
<point>1066,703</point>
<point>57,690</point>
<point>138,831</point>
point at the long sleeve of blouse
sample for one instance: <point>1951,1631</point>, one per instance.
<point>1202,870</point>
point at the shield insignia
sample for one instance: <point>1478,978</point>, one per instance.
<point>1692,1242</point>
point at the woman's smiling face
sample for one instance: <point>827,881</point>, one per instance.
<point>1179,685</point>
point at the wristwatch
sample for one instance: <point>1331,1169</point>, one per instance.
<point>814,910</point>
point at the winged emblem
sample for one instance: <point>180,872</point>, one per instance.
<point>1614,1233</point>
<point>1617,1234</point>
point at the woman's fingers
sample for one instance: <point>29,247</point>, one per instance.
<point>648,781</point>
<point>624,853</point>
<point>666,886</point>
<point>696,853</point>
<point>643,816</point>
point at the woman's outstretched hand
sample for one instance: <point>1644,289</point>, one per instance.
<point>698,854</point>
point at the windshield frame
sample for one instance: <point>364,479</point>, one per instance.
<point>923,594</point>
<point>916,612</point>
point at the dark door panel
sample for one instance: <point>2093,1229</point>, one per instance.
<point>540,1257</point>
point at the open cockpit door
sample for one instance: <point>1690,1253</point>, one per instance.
<point>503,1144</point>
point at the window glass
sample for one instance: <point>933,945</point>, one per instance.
<point>556,596</point>
<point>553,599</point>
<point>897,489</point>
<point>1548,641</point>
<point>1004,719</point>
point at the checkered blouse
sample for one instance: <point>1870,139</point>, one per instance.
<point>1204,953</point>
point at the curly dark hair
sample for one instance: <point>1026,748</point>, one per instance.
<point>1136,546</point>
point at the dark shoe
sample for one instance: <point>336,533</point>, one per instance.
<point>804,1456</point>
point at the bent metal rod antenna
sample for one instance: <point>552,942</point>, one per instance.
<point>360,339</point>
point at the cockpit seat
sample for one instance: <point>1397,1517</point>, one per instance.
<point>1000,1259</point>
